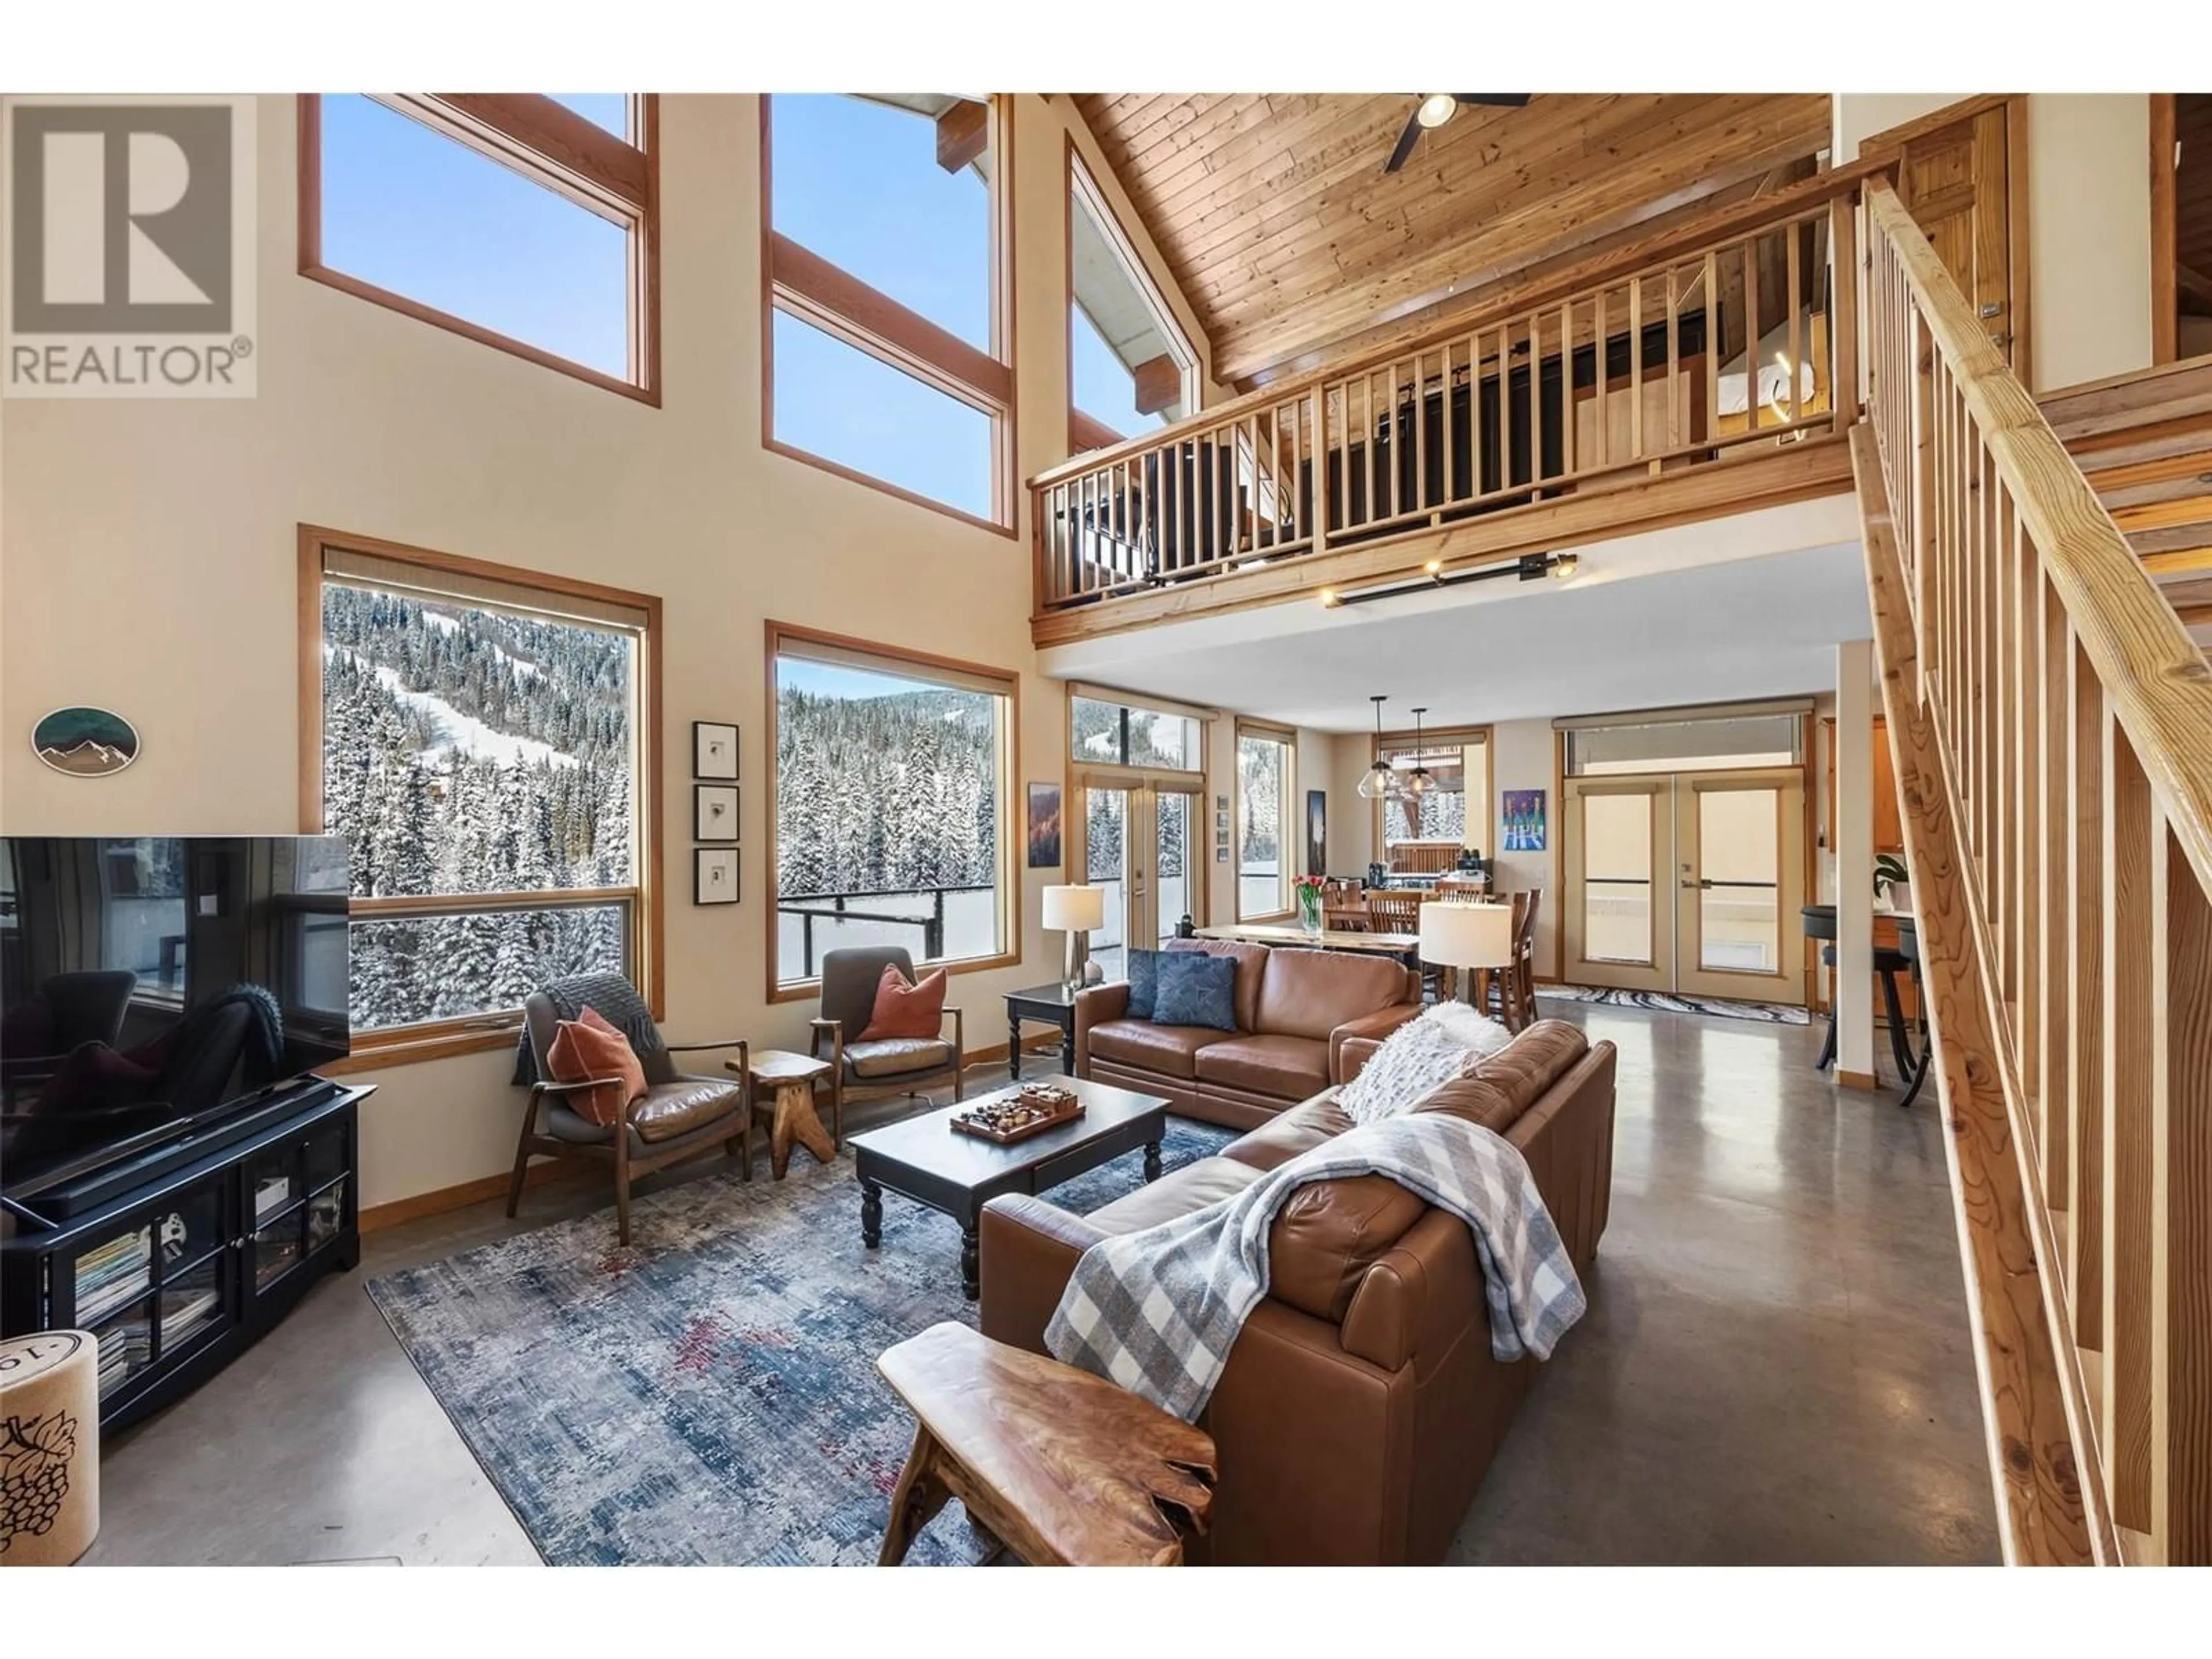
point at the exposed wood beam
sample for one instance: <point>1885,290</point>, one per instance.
<point>841,304</point>
<point>1086,433</point>
<point>963,133</point>
<point>550,131</point>
<point>1159,383</point>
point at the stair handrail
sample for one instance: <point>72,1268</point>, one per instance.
<point>2050,719</point>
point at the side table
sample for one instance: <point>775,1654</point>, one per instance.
<point>788,1081</point>
<point>1046,1005</point>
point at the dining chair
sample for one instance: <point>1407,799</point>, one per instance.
<point>1398,911</point>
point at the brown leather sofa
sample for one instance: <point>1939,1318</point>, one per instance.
<point>1360,1405</point>
<point>1294,1011</point>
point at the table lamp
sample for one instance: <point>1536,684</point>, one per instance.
<point>1456,936</point>
<point>1074,911</point>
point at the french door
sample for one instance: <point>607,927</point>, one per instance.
<point>1143,841</point>
<point>1686,883</point>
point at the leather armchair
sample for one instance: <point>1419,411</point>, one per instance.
<point>680,1116</point>
<point>871,1069</point>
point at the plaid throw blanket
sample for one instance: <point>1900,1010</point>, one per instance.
<point>1157,1311</point>
<point>614,998</point>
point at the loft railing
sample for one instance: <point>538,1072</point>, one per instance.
<point>2051,724</point>
<point>1726,335</point>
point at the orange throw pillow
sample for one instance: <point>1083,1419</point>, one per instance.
<point>589,1047</point>
<point>906,1011</point>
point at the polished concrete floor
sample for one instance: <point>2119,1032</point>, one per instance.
<point>1775,1367</point>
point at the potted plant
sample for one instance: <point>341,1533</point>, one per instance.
<point>1310,891</point>
<point>1892,879</point>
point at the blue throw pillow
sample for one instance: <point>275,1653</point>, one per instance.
<point>1196,990</point>
<point>1144,977</point>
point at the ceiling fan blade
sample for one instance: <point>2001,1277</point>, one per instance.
<point>1404,144</point>
<point>1500,99</point>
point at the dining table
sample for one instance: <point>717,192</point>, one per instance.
<point>1289,936</point>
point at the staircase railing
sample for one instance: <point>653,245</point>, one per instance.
<point>1683,348</point>
<point>2051,724</point>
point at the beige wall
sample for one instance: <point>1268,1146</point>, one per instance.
<point>1858,116</point>
<point>2088,221</point>
<point>147,556</point>
<point>2088,231</point>
<point>1523,757</point>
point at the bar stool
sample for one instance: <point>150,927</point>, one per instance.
<point>1820,920</point>
<point>1908,946</point>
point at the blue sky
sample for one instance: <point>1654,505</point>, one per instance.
<point>856,182</point>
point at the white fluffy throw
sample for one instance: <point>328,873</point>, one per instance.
<point>1417,1057</point>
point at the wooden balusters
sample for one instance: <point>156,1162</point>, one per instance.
<point>2072,718</point>
<point>1407,440</point>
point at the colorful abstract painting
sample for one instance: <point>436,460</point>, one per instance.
<point>1523,814</point>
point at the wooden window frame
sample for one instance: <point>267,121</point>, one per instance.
<point>1086,432</point>
<point>922,665</point>
<point>1088,772</point>
<point>647,896</point>
<point>811,289</point>
<point>1268,732</point>
<point>551,145</point>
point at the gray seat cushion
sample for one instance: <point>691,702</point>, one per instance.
<point>883,1057</point>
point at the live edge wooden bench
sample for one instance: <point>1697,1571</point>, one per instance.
<point>1063,1468</point>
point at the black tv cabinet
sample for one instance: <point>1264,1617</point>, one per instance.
<point>179,1276</point>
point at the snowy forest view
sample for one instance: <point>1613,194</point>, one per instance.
<point>470,751</point>
<point>1260,784</point>
<point>887,794</point>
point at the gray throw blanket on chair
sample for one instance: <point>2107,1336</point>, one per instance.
<point>1157,1311</point>
<point>613,998</point>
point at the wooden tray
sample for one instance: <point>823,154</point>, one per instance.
<point>963,1125</point>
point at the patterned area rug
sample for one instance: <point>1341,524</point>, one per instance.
<point>1773,1013</point>
<point>708,1396</point>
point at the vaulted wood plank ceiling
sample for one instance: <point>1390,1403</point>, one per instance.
<point>1277,219</point>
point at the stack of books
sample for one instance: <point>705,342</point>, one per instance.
<point>110,1276</point>
<point>124,1350</point>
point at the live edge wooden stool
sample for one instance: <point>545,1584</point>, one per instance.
<point>1063,1468</point>
<point>788,1081</point>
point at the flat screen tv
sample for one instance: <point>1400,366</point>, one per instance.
<point>153,987</point>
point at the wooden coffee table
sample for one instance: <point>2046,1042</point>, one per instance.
<point>925,1159</point>
<point>1063,1468</point>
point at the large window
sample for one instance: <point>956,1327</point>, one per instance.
<point>476,736</point>
<point>889,359</point>
<point>1130,368</point>
<point>892,795</point>
<point>1267,821</point>
<point>1425,831</point>
<point>1103,728</point>
<point>524,222</point>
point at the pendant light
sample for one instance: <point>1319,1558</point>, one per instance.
<point>1420,780</point>
<point>1378,780</point>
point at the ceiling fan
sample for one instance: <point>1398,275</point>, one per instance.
<point>1435,108</point>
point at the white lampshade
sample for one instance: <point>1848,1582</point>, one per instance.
<point>1074,909</point>
<point>1467,935</point>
